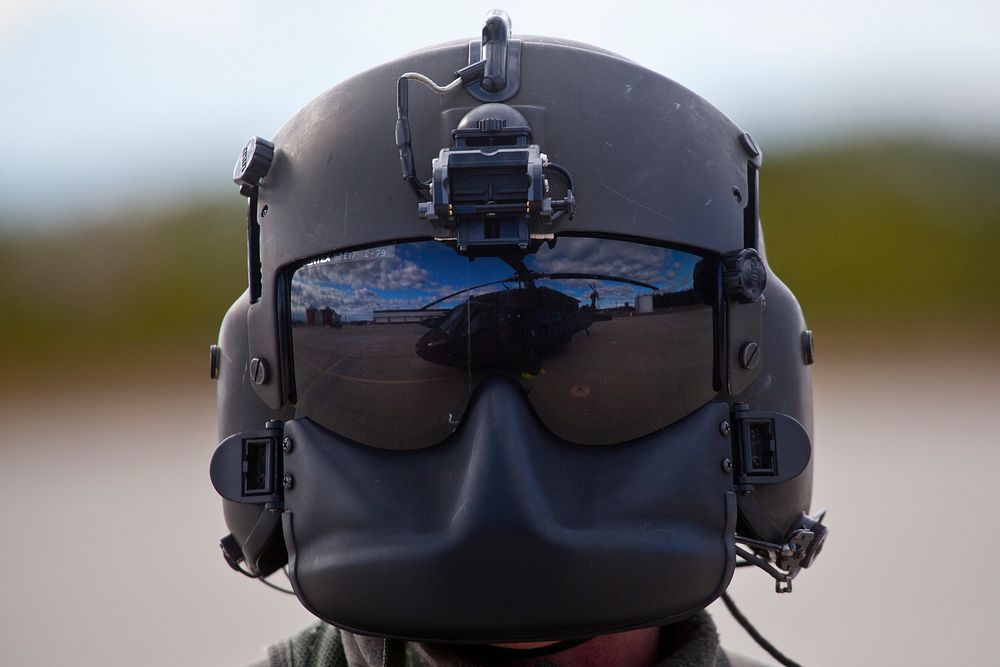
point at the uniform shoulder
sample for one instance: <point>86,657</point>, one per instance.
<point>319,645</point>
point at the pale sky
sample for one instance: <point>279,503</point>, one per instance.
<point>117,104</point>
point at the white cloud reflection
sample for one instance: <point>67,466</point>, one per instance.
<point>355,289</point>
<point>637,262</point>
<point>391,273</point>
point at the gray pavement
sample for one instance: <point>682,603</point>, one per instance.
<point>110,530</point>
<point>369,384</point>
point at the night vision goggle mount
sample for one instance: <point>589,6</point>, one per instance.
<point>488,190</point>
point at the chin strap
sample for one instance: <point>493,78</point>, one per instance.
<point>233,554</point>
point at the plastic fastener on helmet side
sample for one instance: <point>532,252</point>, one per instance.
<point>253,164</point>
<point>744,276</point>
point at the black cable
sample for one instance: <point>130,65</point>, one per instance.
<point>757,637</point>
<point>275,586</point>
<point>403,138</point>
<point>419,189</point>
<point>760,544</point>
<point>244,572</point>
<point>563,172</point>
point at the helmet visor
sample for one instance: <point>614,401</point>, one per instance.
<point>610,340</point>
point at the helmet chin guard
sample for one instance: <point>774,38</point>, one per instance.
<point>560,538</point>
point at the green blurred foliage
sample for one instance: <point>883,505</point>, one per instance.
<point>883,237</point>
<point>872,238</point>
<point>133,291</point>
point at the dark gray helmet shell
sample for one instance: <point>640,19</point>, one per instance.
<point>650,158</point>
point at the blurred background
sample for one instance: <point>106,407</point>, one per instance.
<point>122,245</point>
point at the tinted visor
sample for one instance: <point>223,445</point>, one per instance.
<point>610,340</point>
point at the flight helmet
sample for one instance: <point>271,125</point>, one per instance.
<point>544,385</point>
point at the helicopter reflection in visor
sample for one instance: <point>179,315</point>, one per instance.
<point>510,329</point>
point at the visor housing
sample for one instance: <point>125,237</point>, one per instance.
<point>610,340</point>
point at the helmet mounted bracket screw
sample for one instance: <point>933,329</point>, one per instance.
<point>259,371</point>
<point>749,355</point>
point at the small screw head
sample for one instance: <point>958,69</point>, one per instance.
<point>258,370</point>
<point>749,355</point>
<point>724,428</point>
<point>287,445</point>
<point>727,465</point>
<point>288,481</point>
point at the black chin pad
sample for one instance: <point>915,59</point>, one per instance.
<point>504,533</point>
